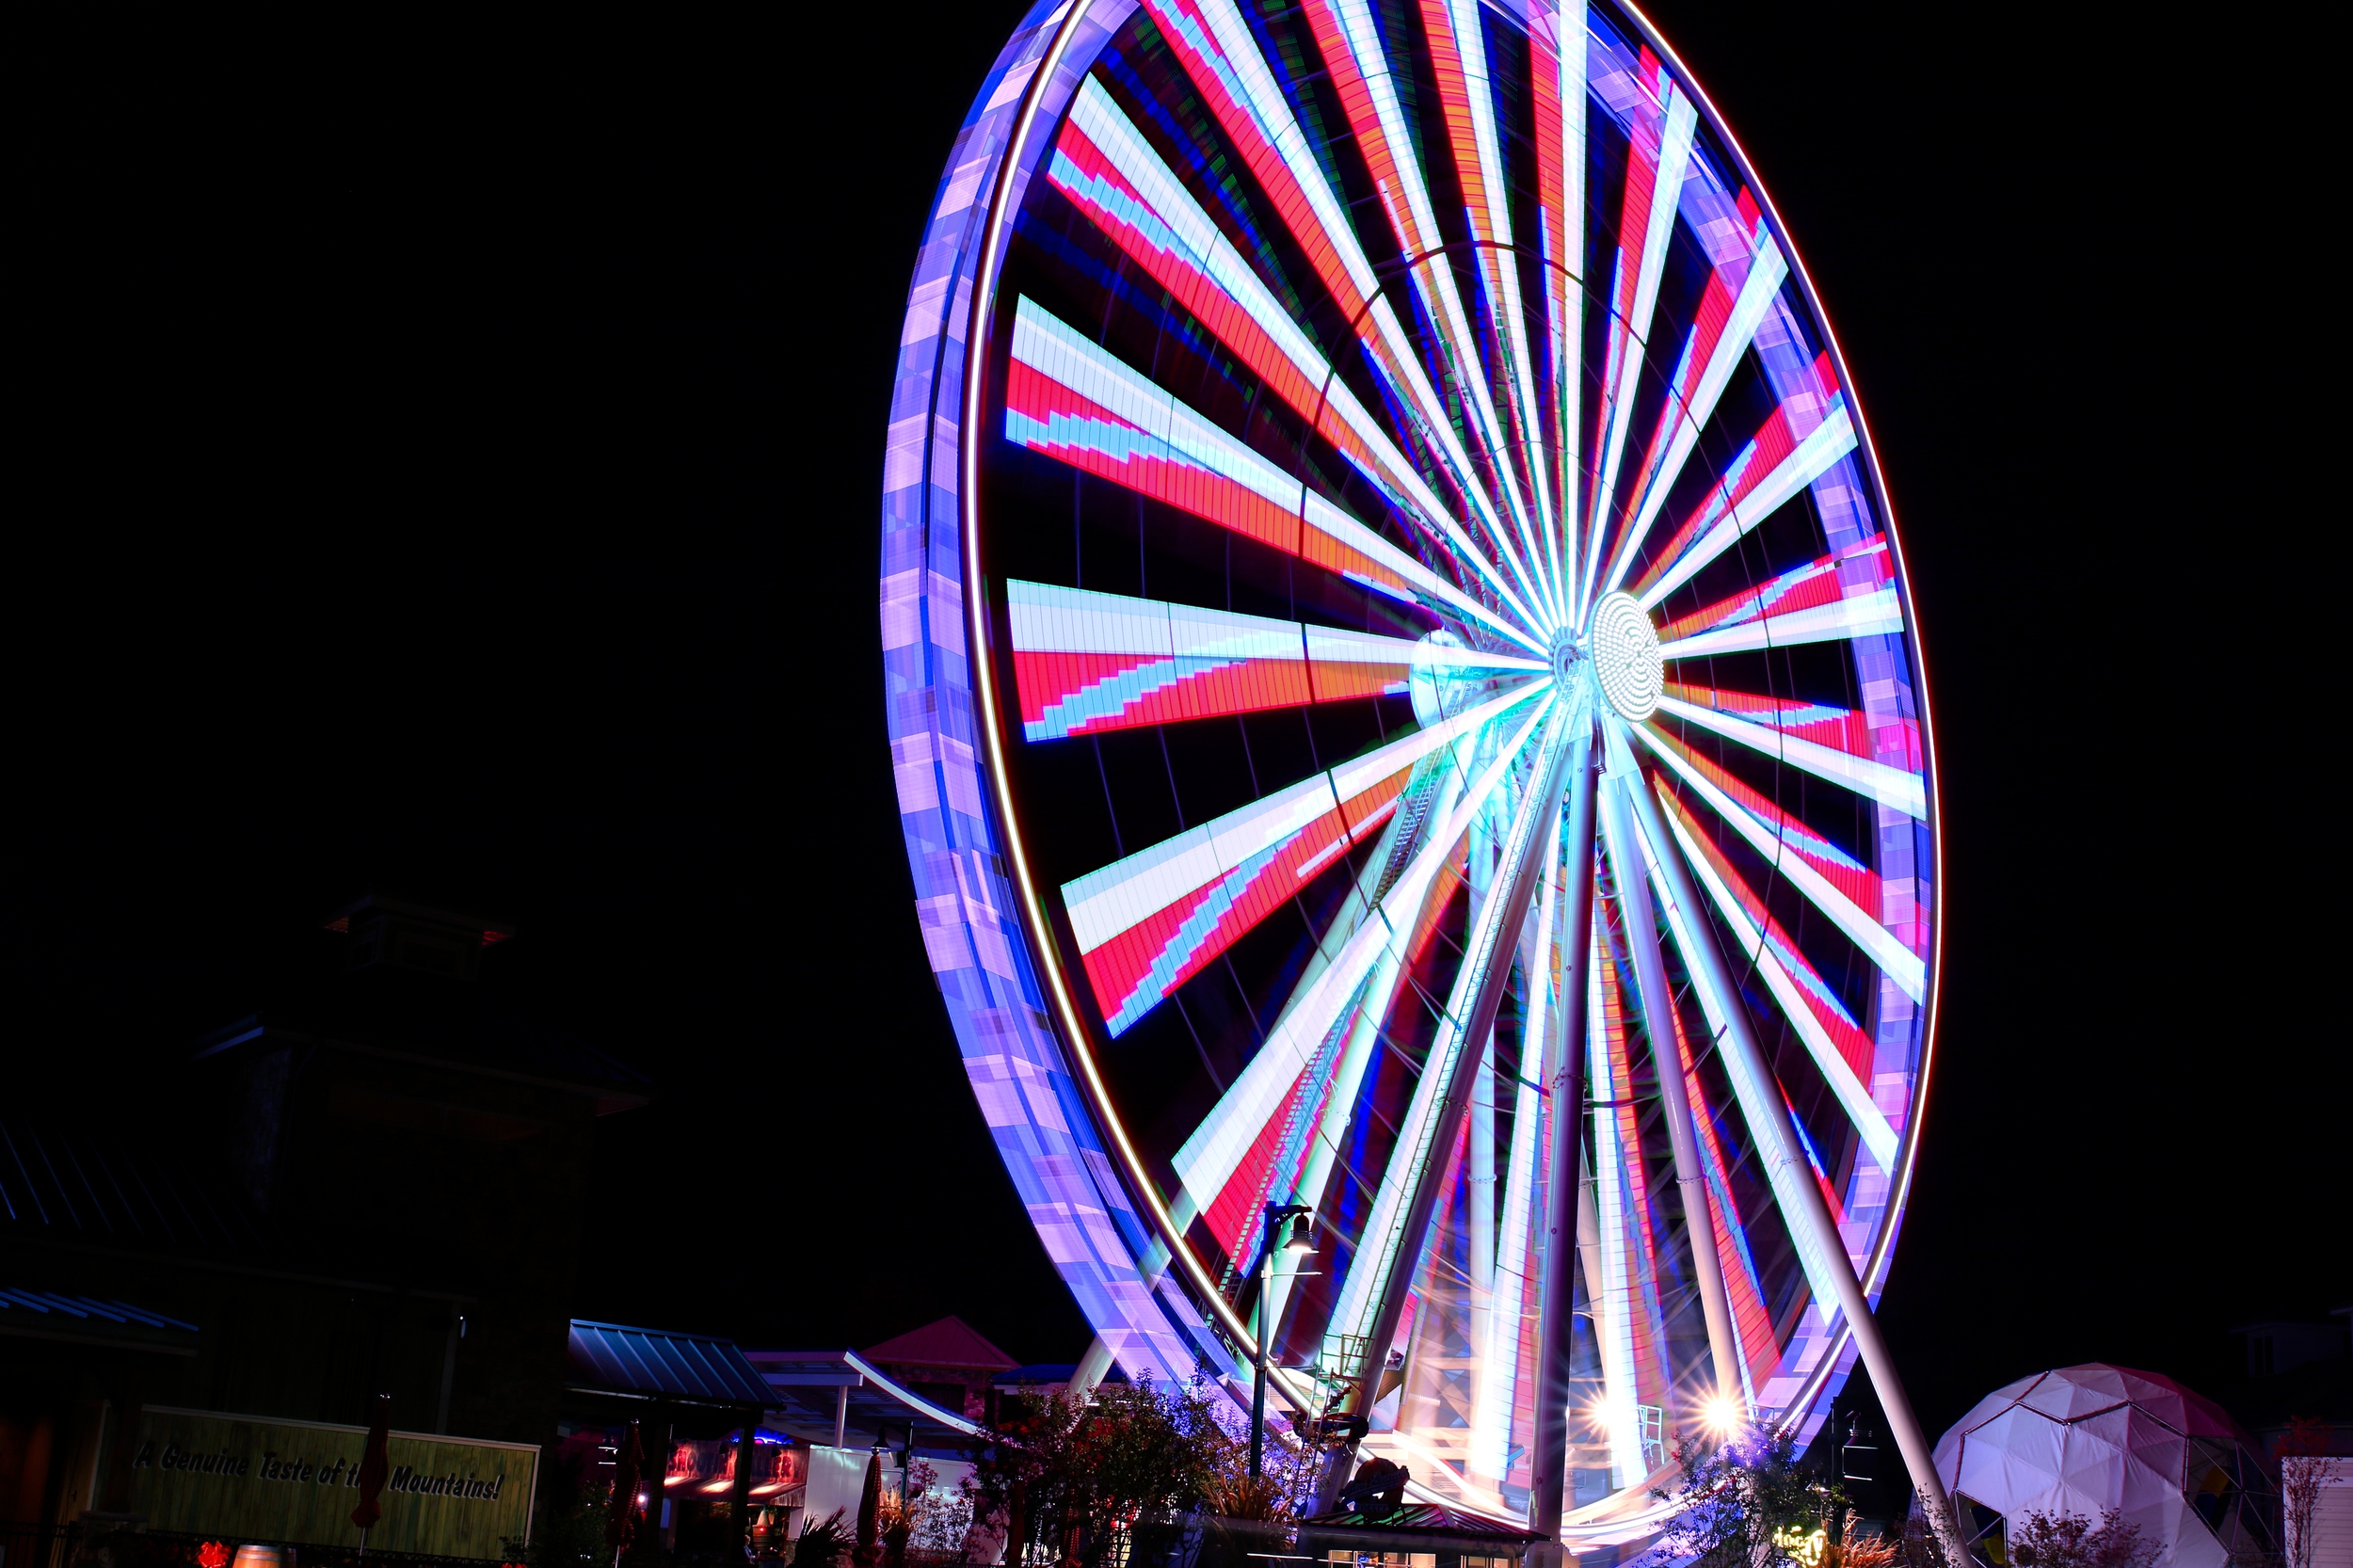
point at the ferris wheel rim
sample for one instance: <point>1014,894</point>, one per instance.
<point>1881,1255</point>
<point>1015,166</point>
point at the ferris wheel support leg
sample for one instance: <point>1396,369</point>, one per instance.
<point>1659,1022</point>
<point>1549,1444</point>
<point>1812,1214</point>
<point>1515,887</point>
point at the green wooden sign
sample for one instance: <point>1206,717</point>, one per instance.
<point>247,1478</point>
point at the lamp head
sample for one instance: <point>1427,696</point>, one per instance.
<point>1303,1236</point>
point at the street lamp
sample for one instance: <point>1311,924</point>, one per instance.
<point>1299,1243</point>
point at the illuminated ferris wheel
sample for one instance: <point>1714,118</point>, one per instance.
<point>1406,702</point>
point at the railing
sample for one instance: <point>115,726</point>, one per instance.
<point>38,1545</point>
<point>181,1550</point>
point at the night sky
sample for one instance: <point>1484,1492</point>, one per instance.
<point>457,464</point>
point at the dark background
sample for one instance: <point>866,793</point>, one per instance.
<point>451,466</point>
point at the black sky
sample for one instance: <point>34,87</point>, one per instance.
<point>450,464</point>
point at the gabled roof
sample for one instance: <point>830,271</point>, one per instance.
<point>616,1359</point>
<point>950,1342</point>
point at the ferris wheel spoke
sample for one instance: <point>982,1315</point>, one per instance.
<point>1790,453</point>
<point>1513,1304</point>
<point>1755,1351</point>
<point>1372,1295</point>
<point>1557,76</point>
<point>1773,1130</point>
<point>1751,1324</point>
<point>1086,662</point>
<point>1836,1042</point>
<point>1352,50</point>
<point>1208,1159</point>
<point>1660,154</point>
<point>1458,50</point>
<point>1073,401</point>
<point>1113,175</point>
<point>1836,882</point>
<point>1628,1320</point>
<point>1662,1026</point>
<point>1222,59</point>
<point>1850,593</point>
<point>1738,291</point>
<point>1147,923</point>
<point>1788,730</point>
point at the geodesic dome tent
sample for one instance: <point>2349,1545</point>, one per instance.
<point>2086,1439</point>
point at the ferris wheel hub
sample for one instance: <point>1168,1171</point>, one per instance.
<point>1567,653</point>
<point>1623,646</point>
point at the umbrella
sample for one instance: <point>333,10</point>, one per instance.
<point>869,1513</point>
<point>375,1467</point>
<point>628,1467</point>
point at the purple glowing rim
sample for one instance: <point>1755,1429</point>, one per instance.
<point>1049,1123</point>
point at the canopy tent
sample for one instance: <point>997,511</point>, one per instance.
<point>2086,1439</point>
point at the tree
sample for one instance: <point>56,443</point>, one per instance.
<point>1077,1474</point>
<point>1748,1505</point>
<point>2302,1474</point>
<point>822,1544</point>
<point>2065,1539</point>
<point>937,1519</point>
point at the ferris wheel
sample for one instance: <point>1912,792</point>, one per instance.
<point>1405,703</point>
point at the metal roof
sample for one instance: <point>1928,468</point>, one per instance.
<point>1046,1373</point>
<point>72,1183</point>
<point>615,1358</point>
<point>92,1320</point>
<point>808,1388</point>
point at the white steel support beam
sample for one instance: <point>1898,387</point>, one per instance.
<point>1623,781</point>
<point>1480,987</point>
<point>1802,1205</point>
<point>1566,1207</point>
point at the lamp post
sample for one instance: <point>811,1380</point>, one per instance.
<point>1300,1244</point>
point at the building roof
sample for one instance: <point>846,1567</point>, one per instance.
<point>72,1184</point>
<point>424,1017</point>
<point>1042,1375</point>
<point>612,1358</point>
<point>812,1388</point>
<point>950,1342</point>
<point>93,1321</point>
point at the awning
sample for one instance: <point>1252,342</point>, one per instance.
<point>93,1321</point>
<point>614,1358</point>
<point>808,1390</point>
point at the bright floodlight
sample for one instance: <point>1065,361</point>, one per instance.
<point>1722,1414</point>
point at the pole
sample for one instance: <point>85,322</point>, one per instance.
<point>742,1496</point>
<point>1276,1214</point>
<point>1549,1444</point>
<point>1659,1022</point>
<point>1266,1332</point>
<point>1801,1203</point>
<point>841,1415</point>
